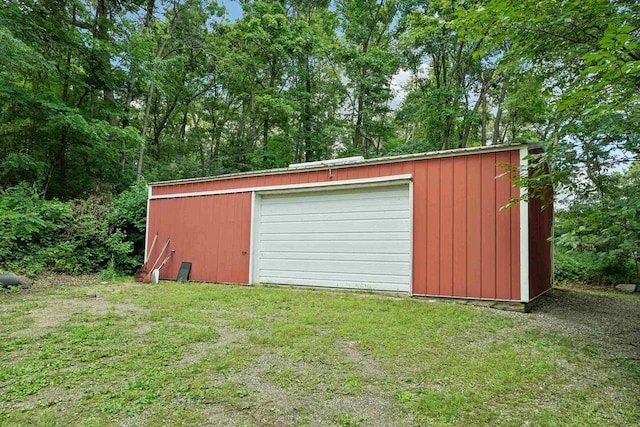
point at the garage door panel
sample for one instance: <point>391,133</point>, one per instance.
<point>338,266</point>
<point>363,207</point>
<point>353,226</point>
<point>274,276</point>
<point>311,202</point>
<point>335,196</point>
<point>303,255</point>
<point>396,247</point>
<point>357,238</point>
<point>320,236</point>
<point>331,283</point>
<point>385,213</point>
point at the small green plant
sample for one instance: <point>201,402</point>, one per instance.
<point>406,396</point>
<point>346,420</point>
<point>109,273</point>
<point>631,366</point>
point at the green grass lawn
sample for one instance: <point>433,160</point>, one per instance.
<point>202,354</point>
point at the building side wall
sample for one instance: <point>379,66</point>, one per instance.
<point>464,244</point>
<point>540,245</point>
<point>213,233</point>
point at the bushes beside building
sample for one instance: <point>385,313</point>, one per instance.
<point>100,233</point>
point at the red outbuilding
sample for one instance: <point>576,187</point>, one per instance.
<point>426,224</point>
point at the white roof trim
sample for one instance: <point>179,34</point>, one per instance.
<point>328,163</point>
<point>306,186</point>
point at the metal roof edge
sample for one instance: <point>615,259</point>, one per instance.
<point>366,162</point>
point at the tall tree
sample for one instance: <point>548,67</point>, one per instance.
<point>450,80</point>
<point>56,104</point>
<point>370,61</point>
<point>317,87</point>
<point>585,57</point>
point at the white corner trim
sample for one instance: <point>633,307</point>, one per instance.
<point>255,239</point>
<point>252,231</point>
<point>411,238</point>
<point>286,187</point>
<point>524,230</point>
<point>146,231</point>
<point>553,251</point>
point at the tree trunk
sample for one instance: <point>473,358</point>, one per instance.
<point>467,130</point>
<point>183,124</point>
<point>162,124</point>
<point>309,152</point>
<point>149,13</point>
<point>357,134</point>
<point>447,133</point>
<point>484,113</point>
<point>496,122</point>
<point>358,131</point>
<point>133,79</point>
<point>265,134</point>
<point>100,32</point>
<point>145,125</point>
<point>58,157</point>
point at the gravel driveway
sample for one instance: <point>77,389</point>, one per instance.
<point>612,320</point>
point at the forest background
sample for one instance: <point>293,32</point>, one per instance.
<point>98,97</point>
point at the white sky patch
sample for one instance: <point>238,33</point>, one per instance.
<point>399,84</point>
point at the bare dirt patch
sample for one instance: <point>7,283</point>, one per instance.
<point>369,367</point>
<point>611,321</point>
<point>51,315</point>
<point>228,338</point>
<point>53,280</point>
<point>307,400</point>
<point>60,312</point>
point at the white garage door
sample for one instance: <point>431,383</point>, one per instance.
<point>356,238</point>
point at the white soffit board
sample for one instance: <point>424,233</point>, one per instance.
<point>344,238</point>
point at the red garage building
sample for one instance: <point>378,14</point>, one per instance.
<point>427,224</point>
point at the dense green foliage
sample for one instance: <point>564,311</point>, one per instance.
<point>95,95</point>
<point>598,236</point>
<point>90,235</point>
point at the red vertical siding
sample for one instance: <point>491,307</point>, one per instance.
<point>461,234</point>
<point>210,232</point>
<point>540,246</point>
<point>503,229</point>
<point>474,227</point>
<point>361,173</point>
<point>460,227</point>
<point>488,223</point>
<point>420,228</point>
<point>540,252</point>
<point>433,227</point>
<point>446,226</point>
<point>226,238</point>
